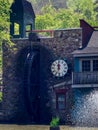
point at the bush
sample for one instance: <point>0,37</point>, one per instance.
<point>54,122</point>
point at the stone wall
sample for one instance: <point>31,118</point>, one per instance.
<point>60,46</point>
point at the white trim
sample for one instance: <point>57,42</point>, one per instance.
<point>80,65</point>
<point>84,85</point>
<point>72,77</point>
<point>84,55</point>
<point>91,62</point>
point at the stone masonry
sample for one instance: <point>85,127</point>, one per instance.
<point>60,46</point>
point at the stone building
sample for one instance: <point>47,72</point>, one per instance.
<point>44,94</point>
<point>38,83</point>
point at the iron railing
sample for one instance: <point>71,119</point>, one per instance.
<point>85,78</point>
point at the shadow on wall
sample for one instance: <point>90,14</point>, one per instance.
<point>33,66</point>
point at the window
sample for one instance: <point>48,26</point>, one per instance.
<point>95,65</point>
<point>89,65</point>
<point>60,101</point>
<point>16,28</point>
<point>86,65</point>
<point>28,29</point>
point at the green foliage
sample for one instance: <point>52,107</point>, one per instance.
<point>0,96</point>
<point>54,122</point>
<point>68,17</point>
<point>57,19</point>
<point>44,22</point>
<point>84,7</point>
<point>4,20</point>
<point>4,25</point>
<point>46,19</point>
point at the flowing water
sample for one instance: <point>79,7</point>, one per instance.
<point>85,107</point>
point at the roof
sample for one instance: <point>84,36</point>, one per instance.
<point>94,40</point>
<point>28,7</point>
<point>91,48</point>
<point>22,6</point>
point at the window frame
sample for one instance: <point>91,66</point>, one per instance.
<point>96,67</point>
<point>58,93</point>
<point>86,65</point>
<point>91,64</point>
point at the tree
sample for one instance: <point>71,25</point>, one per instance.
<point>4,25</point>
<point>50,18</point>
<point>46,18</point>
<point>96,10</point>
<point>84,7</point>
<point>67,18</point>
<point>4,20</point>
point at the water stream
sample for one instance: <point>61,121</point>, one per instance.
<point>85,107</point>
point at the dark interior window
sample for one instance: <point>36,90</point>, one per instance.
<point>61,100</point>
<point>86,65</point>
<point>95,65</point>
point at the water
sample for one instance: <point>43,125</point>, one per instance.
<point>85,107</point>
